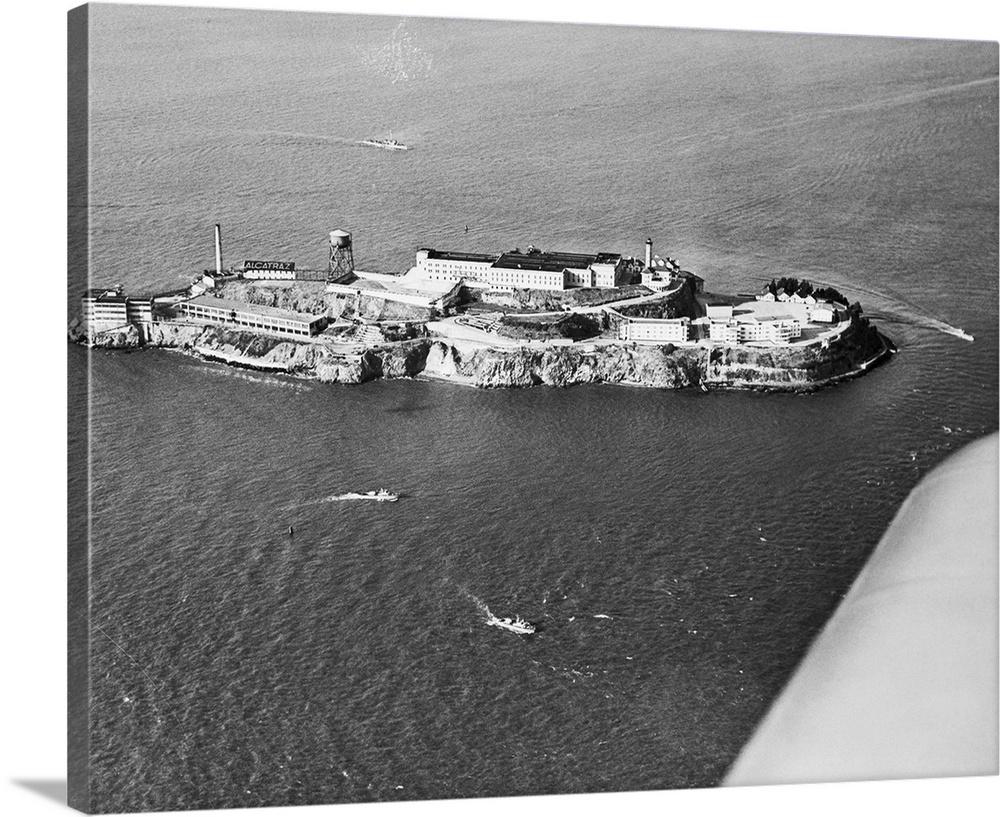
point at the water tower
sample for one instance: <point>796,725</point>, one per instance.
<point>341,256</point>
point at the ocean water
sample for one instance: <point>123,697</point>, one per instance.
<point>677,550</point>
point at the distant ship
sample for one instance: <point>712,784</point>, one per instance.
<point>381,495</point>
<point>386,144</point>
<point>515,625</point>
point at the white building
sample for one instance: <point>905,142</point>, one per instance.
<point>653,279</point>
<point>532,269</point>
<point>236,315</point>
<point>719,312</point>
<point>823,313</point>
<point>773,329</point>
<point>435,265</point>
<point>754,329</point>
<point>103,309</point>
<point>658,330</point>
<point>724,331</point>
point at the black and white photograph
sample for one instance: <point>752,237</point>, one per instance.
<point>525,403</point>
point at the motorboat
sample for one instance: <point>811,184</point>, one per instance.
<point>381,495</point>
<point>385,144</point>
<point>515,625</point>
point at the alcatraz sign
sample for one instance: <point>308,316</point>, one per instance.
<point>270,266</point>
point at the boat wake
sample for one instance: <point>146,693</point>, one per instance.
<point>380,495</point>
<point>299,138</point>
<point>480,604</point>
<point>893,309</point>
<point>514,625</point>
<point>925,322</point>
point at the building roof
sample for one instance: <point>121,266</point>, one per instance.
<point>255,309</point>
<point>545,261</point>
<point>750,317</point>
<point>105,295</point>
<point>608,258</point>
<point>658,321</point>
<point>442,255</point>
<point>531,260</point>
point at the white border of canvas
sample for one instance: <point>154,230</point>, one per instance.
<point>34,415</point>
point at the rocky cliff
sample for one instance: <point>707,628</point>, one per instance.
<point>667,367</point>
<point>311,297</point>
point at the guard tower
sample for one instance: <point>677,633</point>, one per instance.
<point>341,256</point>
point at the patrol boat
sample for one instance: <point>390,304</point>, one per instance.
<point>515,625</point>
<point>385,144</point>
<point>381,495</point>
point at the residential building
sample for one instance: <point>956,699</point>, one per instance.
<point>719,312</point>
<point>654,329</point>
<point>103,309</point>
<point>724,331</point>
<point>824,313</point>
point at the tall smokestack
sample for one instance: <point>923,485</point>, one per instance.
<point>218,248</point>
<point>649,253</point>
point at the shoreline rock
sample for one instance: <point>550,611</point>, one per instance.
<point>779,368</point>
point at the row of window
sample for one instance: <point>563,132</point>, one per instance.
<point>527,277</point>
<point>274,324</point>
<point>260,325</point>
<point>655,333</point>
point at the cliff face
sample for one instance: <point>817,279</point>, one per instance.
<point>657,367</point>
<point>681,303</point>
<point>297,296</point>
<point>125,337</point>
<point>553,300</point>
<point>797,368</point>
<point>311,297</point>
<point>665,367</point>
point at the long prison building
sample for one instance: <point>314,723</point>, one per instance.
<point>251,316</point>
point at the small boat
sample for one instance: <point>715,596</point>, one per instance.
<point>385,144</point>
<point>515,625</point>
<point>381,495</point>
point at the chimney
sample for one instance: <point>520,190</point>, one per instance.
<point>218,249</point>
<point>649,253</point>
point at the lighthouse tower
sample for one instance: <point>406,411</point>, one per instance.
<point>341,256</point>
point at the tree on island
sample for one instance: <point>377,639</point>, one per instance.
<point>793,286</point>
<point>830,294</point>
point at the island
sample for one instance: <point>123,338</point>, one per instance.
<point>492,320</point>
